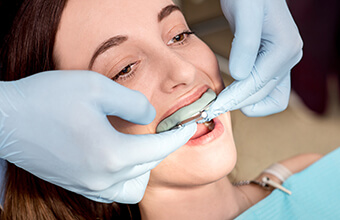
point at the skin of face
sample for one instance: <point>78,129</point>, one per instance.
<point>168,65</point>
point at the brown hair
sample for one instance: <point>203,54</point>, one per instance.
<point>28,50</point>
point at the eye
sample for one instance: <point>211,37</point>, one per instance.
<point>125,72</point>
<point>180,38</point>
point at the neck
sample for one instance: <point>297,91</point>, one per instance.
<point>218,200</point>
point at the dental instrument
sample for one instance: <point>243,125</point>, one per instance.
<point>193,113</point>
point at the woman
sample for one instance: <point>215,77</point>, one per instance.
<point>147,46</point>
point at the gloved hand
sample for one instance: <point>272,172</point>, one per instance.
<point>54,125</point>
<point>266,46</point>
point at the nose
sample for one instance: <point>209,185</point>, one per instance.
<point>177,71</point>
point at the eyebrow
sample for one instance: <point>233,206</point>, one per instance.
<point>112,42</point>
<point>117,40</point>
<point>167,11</point>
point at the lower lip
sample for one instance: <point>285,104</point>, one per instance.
<point>209,137</point>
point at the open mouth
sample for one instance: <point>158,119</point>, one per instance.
<point>203,129</point>
<point>207,132</point>
<point>189,113</point>
<point>210,125</point>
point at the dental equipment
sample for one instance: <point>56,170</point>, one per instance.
<point>193,113</point>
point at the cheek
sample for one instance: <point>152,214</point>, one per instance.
<point>205,60</point>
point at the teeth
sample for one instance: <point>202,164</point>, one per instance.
<point>210,125</point>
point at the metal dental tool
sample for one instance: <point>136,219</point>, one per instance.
<point>195,112</point>
<point>201,115</point>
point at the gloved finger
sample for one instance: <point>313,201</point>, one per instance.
<point>128,175</point>
<point>233,97</point>
<point>242,93</point>
<point>269,69</point>
<point>279,82</point>
<point>127,192</point>
<point>133,190</point>
<point>131,105</point>
<point>265,71</point>
<point>153,147</point>
<point>247,24</point>
<point>135,171</point>
<point>275,102</point>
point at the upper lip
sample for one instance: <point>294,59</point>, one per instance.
<point>186,100</point>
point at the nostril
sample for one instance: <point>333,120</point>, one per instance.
<point>178,85</point>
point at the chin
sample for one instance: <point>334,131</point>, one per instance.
<point>194,165</point>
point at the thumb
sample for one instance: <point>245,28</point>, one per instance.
<point>131,105</point>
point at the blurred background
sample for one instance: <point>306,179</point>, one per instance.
<point>311,122</point>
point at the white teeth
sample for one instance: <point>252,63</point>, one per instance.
<point>210,125</point>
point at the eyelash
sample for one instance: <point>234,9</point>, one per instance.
<point>126,76</point>
<point>185,34</point>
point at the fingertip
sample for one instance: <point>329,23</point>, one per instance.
<point>261,110</point>
<point>147,110</point>
<point>187,131</point>
<point>153,147</point>
<point>130,105</point>
<point>180,136</point>
<point>143,106</point>
<point>239,73</point>
<point>251,111</point>
<point>242,59</point>
<point>267,106</point>
<point>245,46</point>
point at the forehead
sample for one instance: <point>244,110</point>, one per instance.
<point>86,23</point>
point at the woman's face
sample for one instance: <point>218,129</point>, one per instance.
<point>148,47</point>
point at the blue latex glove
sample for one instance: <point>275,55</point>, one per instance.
<point>266,46</point>
<point>54,125</point>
